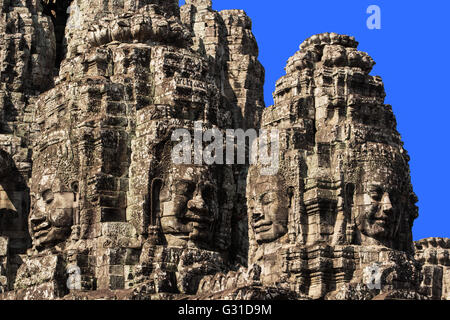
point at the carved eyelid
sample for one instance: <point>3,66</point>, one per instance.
<point>266,194</point>
<point>47,194</point>
<point>252,200</point>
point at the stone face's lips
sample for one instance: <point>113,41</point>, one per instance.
<point>42,233</point>
<point>41,229</point>
<point>383,218</point>
<point>381,222</point>
<point>199,225</point>
<point>188,223</point>
<point>263,226</point>
<point>194,217</point>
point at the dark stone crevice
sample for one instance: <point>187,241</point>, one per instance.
<point>58,12</point>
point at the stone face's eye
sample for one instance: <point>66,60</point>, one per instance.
<point>267,198</point>
<point>48,196</point>
<point>376,192</point>
<point>184,188</point>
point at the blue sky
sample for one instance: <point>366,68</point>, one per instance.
<point>411,52</point>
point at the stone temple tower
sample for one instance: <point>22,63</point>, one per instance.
<point>335,221</point>
<point>95,96</point>
<point>124,76</point>
<point>345,162</point>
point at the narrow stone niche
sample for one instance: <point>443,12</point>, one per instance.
<point>57,10</point>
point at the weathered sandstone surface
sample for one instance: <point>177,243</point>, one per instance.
<point>93,207</point>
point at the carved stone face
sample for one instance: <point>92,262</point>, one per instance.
<point>52,212</point>
<point>188,206</point>
<point>377,213</point>
<point>268,205</point>
<point>379,206</point>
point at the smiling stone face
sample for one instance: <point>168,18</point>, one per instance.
<point>377,216</point>
<point>382,205</point>
<point>268,203</point>
<point>188,206</point>
<point>52,212</point>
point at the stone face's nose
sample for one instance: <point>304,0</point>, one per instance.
<point>257,216</point>
<point>386,203</point>
<point>197,203</point>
